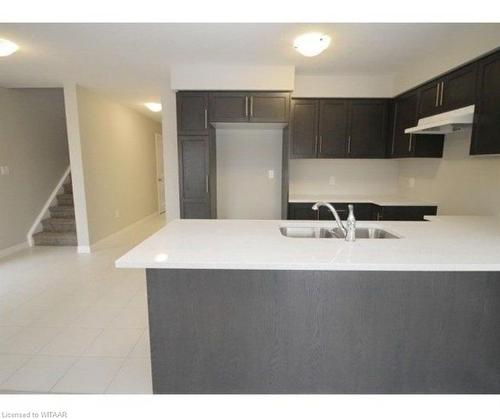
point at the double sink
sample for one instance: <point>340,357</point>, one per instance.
<point>334,233</point>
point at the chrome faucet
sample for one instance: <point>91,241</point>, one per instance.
<point>350,231</point>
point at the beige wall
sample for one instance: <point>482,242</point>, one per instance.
<point>33,144</point>
<point>244,157</point>
<point>458,183</point>
<point>350,176</point>
<point>119,166</point>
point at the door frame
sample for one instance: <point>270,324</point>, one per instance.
<point>159,138</point>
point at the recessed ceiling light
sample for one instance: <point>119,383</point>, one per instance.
<point>311,44</point>
<point>153,106</point>
<point>7,47</point>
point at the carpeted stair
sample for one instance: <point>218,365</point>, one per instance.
<point>59,229</point>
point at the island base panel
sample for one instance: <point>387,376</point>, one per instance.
<point>237,331</point>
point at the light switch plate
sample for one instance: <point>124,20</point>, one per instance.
<point>270,174</point>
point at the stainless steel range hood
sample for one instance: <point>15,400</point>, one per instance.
<point>444,123</point>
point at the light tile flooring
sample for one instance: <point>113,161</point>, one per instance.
<point>73,323</point>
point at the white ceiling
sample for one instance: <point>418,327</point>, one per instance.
<point>131,61</point>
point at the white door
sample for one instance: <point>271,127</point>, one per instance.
<point>159,173</point>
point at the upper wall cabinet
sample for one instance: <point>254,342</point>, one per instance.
<point>486,128</point>
<point>249,106</point>
<point>304,128</point>
<point>368,128</point>
<point>192,113</point>
<point>338,128</point>
<point>452,91</point>
<point>411,145</point>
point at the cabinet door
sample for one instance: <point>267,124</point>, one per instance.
<point>333,128</point>
<point>429,99</point>
<point>194,176</point>
<point>459,88</point>
<point>192,113</point>
<point>486,128</point>
<point>229,106</point>
<point>304,128</point>
<point>406,213</point>
<point>405,116</point>
<point>368,129</point>
<point>302,211</point>
<point>269,107</point>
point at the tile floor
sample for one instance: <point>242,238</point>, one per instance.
<point>73,323</point>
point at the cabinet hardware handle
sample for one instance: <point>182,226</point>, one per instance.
<point>378,216</point>
<point>442,90</point>
<point>437,95</point>
<point>349,145</point>
<point>246,105</point>
<point>410,142</point>
<point>320,144</point>
<point>316,145</point>
<point>206,183</point>
<point>206,119</point>
<point>251,106</point>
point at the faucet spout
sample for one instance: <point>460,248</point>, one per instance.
<point>320,204</point>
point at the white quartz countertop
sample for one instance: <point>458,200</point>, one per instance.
<point>382,200</point>
<point>445,243</point>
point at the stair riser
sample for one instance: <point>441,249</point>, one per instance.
<point>65,200</point>
<point>68,188</point>
<point>50,225</point>
<point>49,241</point>
<point>58,212</point>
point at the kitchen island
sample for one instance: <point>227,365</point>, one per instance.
<point>237,307</point>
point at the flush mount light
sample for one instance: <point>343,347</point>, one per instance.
<point>311,44</point>
<point>153,106</point>
<point>7,47</point>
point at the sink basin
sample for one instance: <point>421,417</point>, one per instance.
<point>335,233</point>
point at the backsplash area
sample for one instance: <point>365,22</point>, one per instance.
<point>343,176</point>
<point>459,183</point>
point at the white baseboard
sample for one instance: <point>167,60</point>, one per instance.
<point>88,249</point>
<point>83,249</point>
<point>13,249</point>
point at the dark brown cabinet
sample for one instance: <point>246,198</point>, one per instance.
<point>194,179</point>
<point>249,106</point>
<point>429,99</point>
<point>368,129</point>
<point>486,129</point>
<point>333,128</point>
<point>338,128</point>
<point>362,212</point>
<point>452,91</point>
<point>192,113</point>
<point>304,128</point>
<point>404,213</point>
<point>229,107</point>
<point>411,145</point>
<point>459,88</point>
<point>269,107</point>
<point>304,211</point>
<point>405,116</point>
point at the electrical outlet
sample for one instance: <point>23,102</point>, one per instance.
<point>270,174</point>
<point>332,181</point>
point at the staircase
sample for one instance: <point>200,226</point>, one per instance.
<point>60,228</point>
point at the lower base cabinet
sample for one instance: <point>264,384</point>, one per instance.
<point>362,212</point>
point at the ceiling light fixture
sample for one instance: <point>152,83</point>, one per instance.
<point>311,44</point>
<point>153,106</point>
<point>7,47</point>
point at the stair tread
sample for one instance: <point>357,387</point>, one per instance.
<point>59,220</point>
